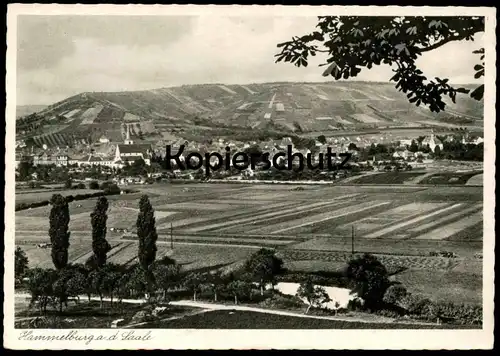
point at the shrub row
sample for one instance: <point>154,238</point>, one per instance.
<point>446,254</point>
<point>70,198</point>
<point>398,302</point>
<point>24,206</point>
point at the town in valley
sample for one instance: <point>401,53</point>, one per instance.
<point>111,233</point>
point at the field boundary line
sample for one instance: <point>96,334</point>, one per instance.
<point>429,226</point>
<point>331,217</point>
<point>400,225</point>
<point>451,228</point>
<point>267,214</point>
<point>285,215</point>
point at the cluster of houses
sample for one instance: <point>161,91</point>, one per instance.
<point>128,151</point>
<point>125,153</point>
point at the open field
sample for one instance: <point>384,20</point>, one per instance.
<point>237,319</point>
<point>387,178</point>
<point>451,178</point>
<point>218,224</point>
<point>423,177</point>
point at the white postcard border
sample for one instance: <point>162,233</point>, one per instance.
<point>254,339</point>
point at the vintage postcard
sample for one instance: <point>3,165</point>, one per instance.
<point>249,177</point>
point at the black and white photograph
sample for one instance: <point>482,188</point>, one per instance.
<point>253,174</point>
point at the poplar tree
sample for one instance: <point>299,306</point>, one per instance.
<point>59,231</point>
<point>146,232</point>
<point>99,218</point>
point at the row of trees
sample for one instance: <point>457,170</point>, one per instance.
<point>365,275</point>
<point>99,277</point>
<point>66,280</point>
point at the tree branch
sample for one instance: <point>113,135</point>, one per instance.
<point>443,42</point>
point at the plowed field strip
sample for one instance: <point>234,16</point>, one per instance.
<point>264,226</point>
<point>446,218</point>
<point>392,216</point>
<point>328,216</point>
<point>223,217</point>
<point>409,222</point>
<point>451,229</point>
<point>260,216</point>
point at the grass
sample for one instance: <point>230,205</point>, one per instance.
<point>387,178</point>
<point>316,246</point>
<point>446,286</point>
<point>224,319</point>
<point>89,315</point>
<point>449,178</point>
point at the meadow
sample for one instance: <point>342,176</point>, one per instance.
<point>213,225</point>
<point>226,319</point>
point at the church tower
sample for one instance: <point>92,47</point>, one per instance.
<point>128,141</point>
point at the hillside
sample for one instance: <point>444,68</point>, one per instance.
<point>285,107</point>
<point>24,110</point>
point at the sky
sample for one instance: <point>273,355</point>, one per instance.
<point>61,56</point>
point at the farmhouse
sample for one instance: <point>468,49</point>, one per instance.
<point>405,142</point>
<point>104,139</point>
<point>472,140</point>
<point>406,155</point>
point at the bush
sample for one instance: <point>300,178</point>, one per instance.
<point>93,185</point>
<point>80,186</point>
<point>355,305</point>
<point>318,278</point>
<point>394,294</point>
<point>425,309</point>
<point>24,206</point>
<point>460,313</point>
<point>105,185</point>
<point>112,189</point>
<point>280,301</point>
<point>70,198</point>
<point>34,185</point>
<point>388,313</point>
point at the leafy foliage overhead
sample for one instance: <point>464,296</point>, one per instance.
<point>355,42</point>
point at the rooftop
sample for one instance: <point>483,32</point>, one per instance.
<point>134,148</point>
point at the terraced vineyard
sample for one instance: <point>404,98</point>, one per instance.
<point>312,106</point>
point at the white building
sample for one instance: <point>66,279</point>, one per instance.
<point>433,142</point>
<point>405,142</point>
<point>130,152</point>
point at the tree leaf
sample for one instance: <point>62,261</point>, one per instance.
<point>400,47</point>
<point>478,93</point>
